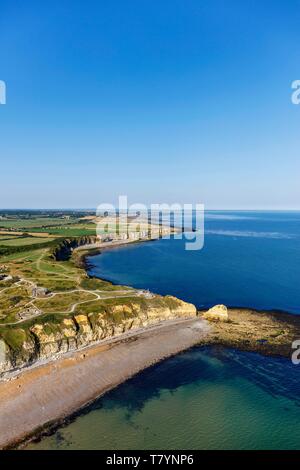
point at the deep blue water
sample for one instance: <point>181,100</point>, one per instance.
<point>249,259</point>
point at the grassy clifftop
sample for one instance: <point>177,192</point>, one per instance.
<point>49,305</point>
<point>49,335</point>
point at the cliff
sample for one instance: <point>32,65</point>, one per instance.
<point>62,249</point>
<point>54,335</point>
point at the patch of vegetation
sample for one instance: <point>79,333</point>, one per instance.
<point>14,249</point>
<point>24,241</point>
<point>14,338</point>
<point>63,302</point>
<point>34,222</point>
<point>171,302</point>
<point>98,284</point>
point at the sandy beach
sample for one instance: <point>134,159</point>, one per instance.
<point>46,394</point>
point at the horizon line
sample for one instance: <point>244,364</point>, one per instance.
<point>94,209</point>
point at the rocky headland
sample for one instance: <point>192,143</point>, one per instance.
<point>24,346</point>
<point>268,333</point>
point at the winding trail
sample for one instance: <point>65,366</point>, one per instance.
<point>96,293</point>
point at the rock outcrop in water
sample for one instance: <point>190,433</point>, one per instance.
<point>217,313</point>
<point>269,333</point>
<point>20,346</point>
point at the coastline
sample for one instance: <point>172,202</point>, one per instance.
<point>77,378</point>
<point>80,254</point>
<point>74,381</point>
<point>82,261</point>
<point>267,332</point>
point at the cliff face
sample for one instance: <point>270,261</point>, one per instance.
<point>62,250</point>
<point>20,347</point>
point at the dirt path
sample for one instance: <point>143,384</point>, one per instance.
<point>96,293</point>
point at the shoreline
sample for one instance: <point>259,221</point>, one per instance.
<point>76,379</point>
<point>72,379</point>
<point>73,382</point>
<point>84,264</point>
<point>83,252</point>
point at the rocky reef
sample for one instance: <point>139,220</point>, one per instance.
<point>268,333</point>
<point>48,337</point>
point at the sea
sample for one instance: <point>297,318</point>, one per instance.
<point>206,397</point>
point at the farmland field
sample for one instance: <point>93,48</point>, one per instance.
<point>72,231</point>
<point>34,222</point>
<point>64,226</point>
<point>23,241</point>
<point>35,282</point>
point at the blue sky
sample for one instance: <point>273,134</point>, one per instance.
<point>165,101</point>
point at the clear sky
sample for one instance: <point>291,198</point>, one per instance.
<point>163,100</point>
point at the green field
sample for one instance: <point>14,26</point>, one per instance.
<point>62,227</point>
<point>34,266</point>
<point>72,231</point>
<point>23,241</point>
<point>34,222</point>
<point>46,295</point>
<point>56,226</point>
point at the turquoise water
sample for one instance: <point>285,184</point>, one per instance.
<point>205,398</point>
